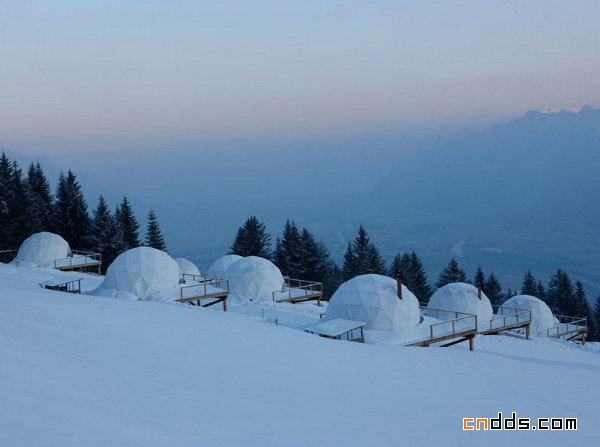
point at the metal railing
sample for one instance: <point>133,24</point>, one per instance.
<point>291,287</point>
<point>567,325</point>
<point>218,285</point>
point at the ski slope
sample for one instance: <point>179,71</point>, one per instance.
<point>79,370</point>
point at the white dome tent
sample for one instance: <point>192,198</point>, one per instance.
<point>373,299</point>
<point>144,272</point>
<point>219,268</point>
<point>463,297</point>
<point>254,278</point>
<point>42,249</point>
<point>541,315</point>
<point>187,267</point>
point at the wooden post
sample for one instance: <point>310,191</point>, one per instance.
<point>471,343</point>
<point>479,292</point>
<point>225,304</point>
<point>399,284</point>
<point>527,329</point>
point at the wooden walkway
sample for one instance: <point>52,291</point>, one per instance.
<point>299,291</point>
<point>70,285</point>
<point>511,319</point>
<point>569,328</point>
<point>80,260</point>
<point>462,327</point>
<point>213,290</point>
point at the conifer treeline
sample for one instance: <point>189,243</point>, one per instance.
<point>299,255</point>
<point>28,206</point>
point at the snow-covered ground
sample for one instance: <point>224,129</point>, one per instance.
<point>79,370</point>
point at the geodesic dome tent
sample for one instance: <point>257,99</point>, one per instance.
<point>462,297</point>
<point>254,278</point>
<point>373,300</point>
<point>219,268</point>
<point>143,271</point>
<point>187,267</point>
<point>541,315</point>
<point>42,249</point>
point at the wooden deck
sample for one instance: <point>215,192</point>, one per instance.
<point>511,319</point>
<point>569,328</point>
<point>339,329</point>
<point>213,290</point>
<point>462,327</point>
<point>72,285</point>
<point>80,260</point>
<point>299,291</point>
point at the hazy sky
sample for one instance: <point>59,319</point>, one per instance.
<point>119,74</point>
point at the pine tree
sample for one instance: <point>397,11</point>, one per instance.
<point>154,237</point>
<point>493,290</point>
<point>362,257</point>
<point>479,279</point>
<point>41,212</point>
<point>288,249</point>
<point>580,306</point>
<point>541,291</point>
<point>595,320</point>
<point>252,239</point>
<point>5,192</point>
<point>71,214</point>
<point>560,295</point>
<point>19,227</point>
<point>529,286</point>
<point>107,237</point>
<point>409,270</point>
<point>451,273</point>
<point>128,224</point>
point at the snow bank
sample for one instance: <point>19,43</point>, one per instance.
<point>188,267</point>
<point>541,315</point>
<point>373,299</point>
<point>219,268</point>
<point>42,249</point>
<point>254,278</point>
<point>144,272</point>
<point>462,297</point>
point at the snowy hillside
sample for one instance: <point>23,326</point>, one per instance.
<point>78,370</point>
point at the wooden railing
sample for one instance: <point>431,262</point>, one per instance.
<point>508,316</point>
<point>292,284</point>
<point>454,322</point>
<point>204,286</point>
<point>89,258</point>
<point>194,277</point>
<point>567,325</point>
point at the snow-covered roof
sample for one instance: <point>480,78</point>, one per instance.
<point>541,315</point>
<point>219,268</point>
<point>144,272</point>
<point>374,300</point>
<point>42,249</point>
<point>188,267</point>
<point>462,297</point>
<point>254,278</point>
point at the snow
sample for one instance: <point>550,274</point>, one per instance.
<point>254,278</point>
<point>187,267</point>
<point>462,297</point>
<point>86,370</point>
<point>42,249</point>
<point>541,315</point>
<point>219,268</point>
<point>145,272</point>
<point>374,300</point>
